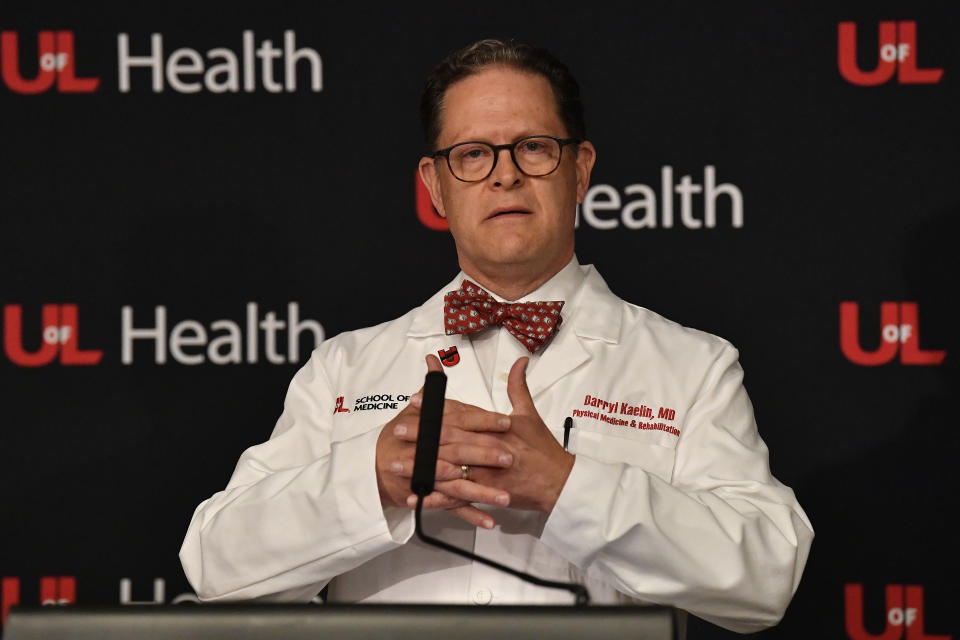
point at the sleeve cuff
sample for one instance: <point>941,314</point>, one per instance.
<point>575,526</point>
<point>358,502</point>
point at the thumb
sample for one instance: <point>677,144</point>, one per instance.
<point>433,364</point>
<point>517,389</point>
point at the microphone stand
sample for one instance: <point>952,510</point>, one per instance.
<point>424,475</point>
<point>578,590</point>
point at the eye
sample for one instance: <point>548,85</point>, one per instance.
<point>470,153</point>
<point>532,146</point>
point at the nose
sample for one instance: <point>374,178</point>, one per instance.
<point>505,173</point>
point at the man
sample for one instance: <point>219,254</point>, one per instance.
<point>663,492</point>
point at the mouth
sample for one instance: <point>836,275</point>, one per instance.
<point>508,212</point>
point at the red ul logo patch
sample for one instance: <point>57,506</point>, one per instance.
<point>449,356</point>
<point>339,408</point>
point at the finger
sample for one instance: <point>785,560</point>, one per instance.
<point>437,500</point>
<point>477,455</point>
<point>449,406</point>
<point>457,493</point>
<point>482,420</point>
<point>448,471</point>
<point>517,389</point>
<point>473,418</point>
<point>469,491</point>
<point>441,499</point>
<point>454,407</point>
<point>407,429</point>
<point>474,516</point>
<point>444,470</point>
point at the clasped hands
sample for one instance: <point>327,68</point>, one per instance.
<point>514,460</point>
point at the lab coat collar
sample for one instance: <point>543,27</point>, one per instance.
<point>428,317</point>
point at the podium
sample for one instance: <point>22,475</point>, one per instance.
<point>346,621</point>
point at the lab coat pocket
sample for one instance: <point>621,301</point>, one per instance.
<point>652,449</point>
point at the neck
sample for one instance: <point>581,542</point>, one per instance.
<point>512,282</point>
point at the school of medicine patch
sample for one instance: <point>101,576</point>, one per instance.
<point>380,401</point>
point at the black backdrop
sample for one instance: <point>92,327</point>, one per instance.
<point>203,203</point>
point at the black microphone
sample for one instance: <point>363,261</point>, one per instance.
<point>428,436</point>
<point>425,474</point>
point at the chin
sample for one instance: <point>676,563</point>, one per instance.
<point>513,253</point>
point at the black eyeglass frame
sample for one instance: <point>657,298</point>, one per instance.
<point>497,148</point>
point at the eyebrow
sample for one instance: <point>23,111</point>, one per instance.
<point>532,133</point>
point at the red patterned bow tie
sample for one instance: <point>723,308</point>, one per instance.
<point>470,309</point>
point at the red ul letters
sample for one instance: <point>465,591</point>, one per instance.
<point>55,60</point>
<point>58,590</point>
<point>904,609</point>
<point>899,331</point>
<point>339,406</point>
<point>59,335</point>
<point>897,44</point>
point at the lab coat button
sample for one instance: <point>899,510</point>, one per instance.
<point>504,377</point>
<point>482,596</point>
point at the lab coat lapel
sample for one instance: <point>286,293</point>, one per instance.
<point>594,315</point>
<point>464,379</point>
<point>563,354</point>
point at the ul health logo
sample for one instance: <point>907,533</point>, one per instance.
<point>897,52</point>
<point>904,614</point>
<point>59,336</point>
<point>54,590</point>
<point>899,331</point>
<point>55,61</point>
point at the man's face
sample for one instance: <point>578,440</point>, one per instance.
<point>509,223</point>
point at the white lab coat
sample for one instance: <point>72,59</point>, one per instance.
<point>694,520</point>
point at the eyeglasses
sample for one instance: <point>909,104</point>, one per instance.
<point>535,156</point>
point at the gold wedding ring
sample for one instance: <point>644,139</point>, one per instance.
<point>465,471</point>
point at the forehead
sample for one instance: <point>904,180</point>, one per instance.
<point>499,104</point>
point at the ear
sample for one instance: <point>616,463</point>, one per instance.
<point>428,173</point>
<point>586,157</point>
